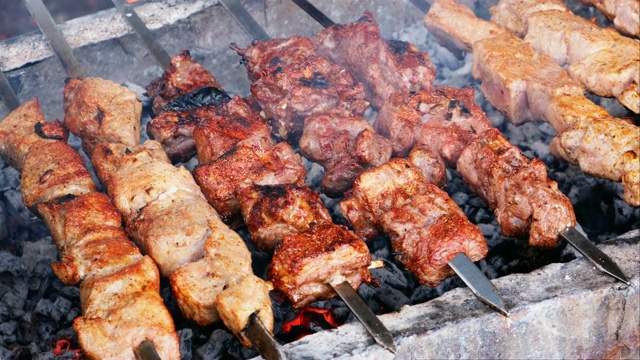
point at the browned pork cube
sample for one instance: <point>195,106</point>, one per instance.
<point>272,212</point>
<point>305,265</point>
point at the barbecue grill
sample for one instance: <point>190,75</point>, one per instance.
<point>559,306</point>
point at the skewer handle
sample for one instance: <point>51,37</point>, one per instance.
<point>315,13</point>
<point>59,45</point>
<point>146,351</point>
<point>248,23</point>
<point>262,340</point>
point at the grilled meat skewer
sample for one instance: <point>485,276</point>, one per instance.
<point>527,86</point>
<point>208,265</point>
<point>625,14</point>
<point>603,61</point>
<point>95,250</point>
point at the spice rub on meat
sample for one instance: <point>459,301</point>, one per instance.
<point>426,228</point>
<point>305,265</point>
<point>291,81</point>
<point>383,66</point>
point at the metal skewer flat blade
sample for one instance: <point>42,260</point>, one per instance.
<point>246,21</point>
<point>59,45</point>
<point>146,351</point>
<point>7,94</point>
<point>314,12</point>
<point>595,255</point>
<point>155,49</point>
<point>260,337</point>
<point>422,5</point>
<point>481,287</point>
<point>369,320</point>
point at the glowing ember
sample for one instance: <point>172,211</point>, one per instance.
<point>131,1</point>
<point>308,321</point>
<point>64,345</point>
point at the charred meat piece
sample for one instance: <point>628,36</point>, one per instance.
<point>174,126</point>
<point>304,265</point>
<point>603,61</point>
<point>182,77</point>
<point>517,188</point>
<point>426,228</point>
<point>290,91</point>
<point>344,145</point>
<point>231,123</point>
<point>391,66</point>
<point>430,164</point>
<point>272,212</point>
<point>25,127</point>
<point>254,161</point>
<point>100,110</point>
<point>625,14</point>
<point>444,118</point>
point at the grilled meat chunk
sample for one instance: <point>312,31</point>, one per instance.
<point>304,265</point>
<point>123,309</point>
<point>183,76</point>
<point>100,110</point>
<point>391,66</point>
<point>344,145</point>
<point>52,170</point>
<point>233,122</point>
<point>527,86</point>
<point>517,188</point>
<point>174,126</point>
<point>273,211</point>
<point>23,128</point>
<point>252,161</point>
<point>88,231</point>
<point>444,118</point>
<point>625,14</point>
<point>290,91</point>
<point>602,60</point>
<point>430,164</point>
<point>425,226</point>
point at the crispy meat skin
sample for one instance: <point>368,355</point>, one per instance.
<point>517,188</point>
<point>99,110</point>
<point>602,60</point>
<point>94,248</point>
<point>273,211</point>
<point>344,145</point>
<point>383,66</point>
<point>625,14</point>
<point>174,130</point>
<point>304,265</point>
<point>232,123</point>
<point>430,164</point>
<point>252,161</point>
<point>25,127</point>
<point>425,226</point>
<point>526,86</point>
<point>183,76</point>
<point>292,86</point>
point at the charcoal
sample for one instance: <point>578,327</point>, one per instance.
<point>460,198</point>
<point>70,292</point>
<point>49,355</point>
<point>5,353</point>
<point>61,307</point>
<point>72,315</point>
<point>13,301</point>
<point>392,275</point>
<point>8,328</point>
<point>216,347</point>
<point>186,343</point>
<point>390,299</point>
<point>482,216</point>
<point>9,263</point>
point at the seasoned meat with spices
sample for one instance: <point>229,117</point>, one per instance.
<point>305,265</point>
<point>254,161</point>
<point>272,212</point>
<point>426,228</point>
<point>383,66</point>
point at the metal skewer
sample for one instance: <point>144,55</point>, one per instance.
<point>480,286</point>
<point>573,235</point>
<point>7,94</point>
<point>146,351</point>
